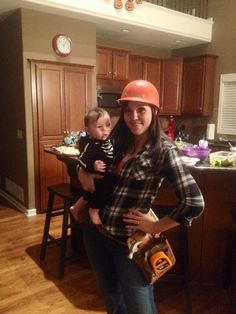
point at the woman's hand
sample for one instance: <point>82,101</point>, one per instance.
<point>136,220</point>
<point>87,179</point>
<point>145,222</point>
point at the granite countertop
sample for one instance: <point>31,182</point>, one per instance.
<point>206,166</point>
<point>221,143</point>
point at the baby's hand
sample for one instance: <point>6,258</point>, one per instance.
<point>99,165</point>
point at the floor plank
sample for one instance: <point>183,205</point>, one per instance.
<point>30,286</point>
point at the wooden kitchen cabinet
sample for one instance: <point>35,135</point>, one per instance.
<point>152,71</point>
<point>165,74</point>
<point>171,86</point>
<point>145,68</point>
<point>198,85</point>
<point>112,64</point>
<point>135,67</point>
<point>61,97</point>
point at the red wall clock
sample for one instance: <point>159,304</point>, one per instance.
<point>62,45</point>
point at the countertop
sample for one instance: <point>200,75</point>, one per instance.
<point>207,166</point>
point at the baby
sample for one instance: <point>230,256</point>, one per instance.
<point>95,157</point>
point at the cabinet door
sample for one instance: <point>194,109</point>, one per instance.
<point>104,63</point>
<point>171,85</point>
<point>135,68</point>
<point>50,109</point>
<point>77,96</point>
<point>152,71</point>
<point>198,85</point>
<point>51,171</point>
<point>50,102</point>
<point>120,65</point>
<point>192,85</point>
<point>210,63</point>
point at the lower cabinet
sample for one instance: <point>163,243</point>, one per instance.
<point>211,235</point>
<point>61,97</point>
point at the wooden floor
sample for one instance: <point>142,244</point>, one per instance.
<point>30,286</point>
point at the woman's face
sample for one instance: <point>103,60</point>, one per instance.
<point>138,117</point>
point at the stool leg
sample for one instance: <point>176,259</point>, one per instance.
<point>46,226</point>
<point>64,240</point>
<point>184,236</point>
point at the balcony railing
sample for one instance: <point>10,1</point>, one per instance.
<point>192,7</point>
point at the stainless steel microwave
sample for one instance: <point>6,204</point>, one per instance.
<point>107,99</point>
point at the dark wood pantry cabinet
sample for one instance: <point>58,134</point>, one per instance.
<point>61,95</point>
<point>198,85</point>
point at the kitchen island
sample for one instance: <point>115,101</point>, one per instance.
<point>211,235</point>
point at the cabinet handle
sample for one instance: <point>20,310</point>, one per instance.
<point>109,72</point>
<point>115,73</point>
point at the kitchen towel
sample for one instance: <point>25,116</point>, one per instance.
<point>210,132</point>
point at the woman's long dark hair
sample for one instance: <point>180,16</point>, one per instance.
<point>124,139</point>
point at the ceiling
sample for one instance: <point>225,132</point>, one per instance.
<point>108,29</point>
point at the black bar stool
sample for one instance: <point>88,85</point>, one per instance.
<point>69,195</point>
<point>160,211</point>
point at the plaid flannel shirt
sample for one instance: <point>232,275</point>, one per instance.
<point>138,183</point>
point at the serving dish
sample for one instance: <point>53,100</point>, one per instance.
<point>190,161</point>
<point>222,159</point>
<point>196,151</point>
<point>67,150</point>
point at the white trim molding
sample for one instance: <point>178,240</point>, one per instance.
<point>29,212</point>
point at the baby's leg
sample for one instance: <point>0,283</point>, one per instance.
<point>94,216</point>
<point>78,207</point>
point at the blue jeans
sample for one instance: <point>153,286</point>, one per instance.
<point>121,282</point>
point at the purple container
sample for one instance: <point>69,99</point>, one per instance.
<point>201,153</point>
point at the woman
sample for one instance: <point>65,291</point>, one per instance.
<point>143,158</point>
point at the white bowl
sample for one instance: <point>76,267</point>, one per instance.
<point>190,161</point>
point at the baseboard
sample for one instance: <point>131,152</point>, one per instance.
<point>27,211</point>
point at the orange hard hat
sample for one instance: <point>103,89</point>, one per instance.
<point>141,91</point>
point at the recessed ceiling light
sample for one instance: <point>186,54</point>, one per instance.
<point>125,30</point>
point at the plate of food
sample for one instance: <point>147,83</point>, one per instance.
<point>68,150</point>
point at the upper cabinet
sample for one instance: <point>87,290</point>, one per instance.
<point>112,64</point>
<point>145,68</point>
<point>186,85</point>
<point>198,85</point>
<point>171,86</point>
<point>166,75</point>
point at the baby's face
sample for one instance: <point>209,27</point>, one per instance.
<point>100,129</point>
